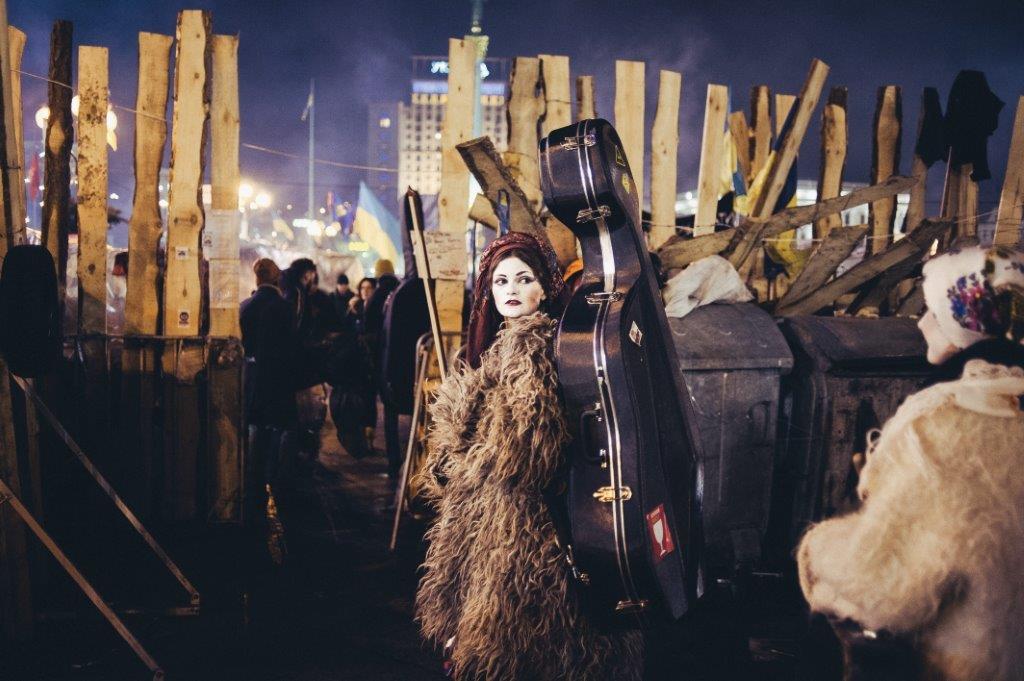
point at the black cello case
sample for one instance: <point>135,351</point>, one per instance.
<point>633,478</point>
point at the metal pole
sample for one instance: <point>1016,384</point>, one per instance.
<point>312,116</point>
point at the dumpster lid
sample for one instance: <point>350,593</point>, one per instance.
<point>859,343</point>
<point>729,336</point>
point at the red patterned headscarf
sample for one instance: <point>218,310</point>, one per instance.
<point>484,321</point>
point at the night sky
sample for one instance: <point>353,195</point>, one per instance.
<point>359,51</point>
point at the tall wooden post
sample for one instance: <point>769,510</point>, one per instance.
<point>15,588</point>
<point>761,128</point>
<point>834,134</point>
<point>453,199</point>
<point>557,100</point>
<point>57,168</point>
<point>930,108</point>
<point>220,243</point>
<point>629,118</point>
<point>92,245</point>
<point>585,107</point>
<point>665,158</point>
<point>525,108</point>
<point>142,301</point>
<point>740,133</point>
<point>1009,215</point>
<point>885,162</point>
<point>182,286</point>
<point>709,179</point>
<point>783,104</point>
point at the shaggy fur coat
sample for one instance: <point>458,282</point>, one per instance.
<point>495,584</point>
<point>936,551</point>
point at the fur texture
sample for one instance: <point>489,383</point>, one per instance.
<point>936,550</point>
<point>495,581</point>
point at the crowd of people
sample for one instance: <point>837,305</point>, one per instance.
<point>308,351</point>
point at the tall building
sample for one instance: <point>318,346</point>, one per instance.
<point>420,120</point>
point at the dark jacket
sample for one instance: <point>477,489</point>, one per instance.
<point>249,313</point>
<point>340,303</point>
<point>276,355</point>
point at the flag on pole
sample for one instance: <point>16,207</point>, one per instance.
<point>309,103</point>
<point>379,228</point>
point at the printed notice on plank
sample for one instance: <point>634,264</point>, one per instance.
<point>446,252</point>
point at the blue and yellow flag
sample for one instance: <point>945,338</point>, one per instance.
<point>375,225</point>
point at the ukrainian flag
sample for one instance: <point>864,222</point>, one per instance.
<point>375,225</point>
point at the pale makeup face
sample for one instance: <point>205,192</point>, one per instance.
<point>939,347</point>
<point>517,290</point>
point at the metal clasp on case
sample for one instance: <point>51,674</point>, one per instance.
<point>630,607</point>
<point>606,495</point>
<point>570,143</point>
<point>604,297</point>
<point>591,214</point>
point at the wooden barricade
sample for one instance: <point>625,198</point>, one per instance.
<point>834,134</point>
<point>709,180</point>
<point>885,162</point>
<point>629,118</point>
<point>664,158</point>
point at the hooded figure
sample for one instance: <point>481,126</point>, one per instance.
<point>934,555</point>
<point>496,591</point>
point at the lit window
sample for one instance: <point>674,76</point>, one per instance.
<point>384,122</point>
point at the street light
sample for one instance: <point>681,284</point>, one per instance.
<point>263,200</point>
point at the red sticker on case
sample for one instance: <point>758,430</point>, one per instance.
<point>659,533</point>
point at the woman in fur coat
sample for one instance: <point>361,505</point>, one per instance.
<point>935,553</point>
<point>495,591</point>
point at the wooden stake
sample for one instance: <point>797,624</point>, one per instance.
<point>525,108</point>
<point>629,118</point>
<point>16,42</point>
<point>918,168</point>
<point>783,105</point>
<point>665,158</point>
<point>557,100</point>
<point>1010,213</point>
<point>678,252</point>
<point>585,107</point>
<point>760,127</point>
<point>453,199</point>
<point>220,244</point>
<point>740,132</point>
<point>182,291</point>
<point>836,247</point>
<point>885,162</point>
<point>92,189</point>
<point>833,157</point>
<point>709,180</point>
<point>12,44</point>
<point>966,203</point>
<point>59,138</point>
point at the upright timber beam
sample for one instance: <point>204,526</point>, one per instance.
<point>665,158</point>
<point>711,150</point>
<point>525,108</point>
<point>142,302</point>
<point>182,286</point>
<point>16,613</point>
<point>585,107</point>
<point>885,162</point>
<point>929,123</point>
<point>834,133</point>
<point>453,199</point>
<point>1009,214</point>
<point>629,118</point>
<point>57,164</point>
<point>557,100</point>
<point>740,132</point>
<point>783,105</point>
<point>760,128</point>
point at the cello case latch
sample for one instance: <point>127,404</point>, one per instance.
<point>577,141</point>
<point>604,297</point>
<point>591,214</point>
<point>606,495</point>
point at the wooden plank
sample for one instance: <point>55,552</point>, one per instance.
<point>1010,212</point>
<point>837,246</point>
<point>585,107</point>
<point>783,105</point>
<point>224,428</point>
<point>885,162</point>
<point>789,145</point>
<point>678,252</point>
<point>182,288</point>
<point>751,231</point>
<point>967,204</point>
<point>453,199</point>
<point>490,172</point>
<point>16,611</point>
<point>833,157</point>
<point>665,158</point>
<point>92,189</point>
<point>12,45</point>
<point>740,132</point>
<point>482,211</point>
<point>142,302</point>
<point>525,108</point>
<point>57,161</point>
<point>918,167</point>
<point>760,128</point>
<point>914,247</point>
<point>183,299</point>
<point>557,98</point>
<point>16,43</point>
<point>709,178</point>
<point>629,118</point>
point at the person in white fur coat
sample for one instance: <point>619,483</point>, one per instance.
<point>935,553</point>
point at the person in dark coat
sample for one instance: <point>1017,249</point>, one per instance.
<point>340,298</point>
<point>373,326</point>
